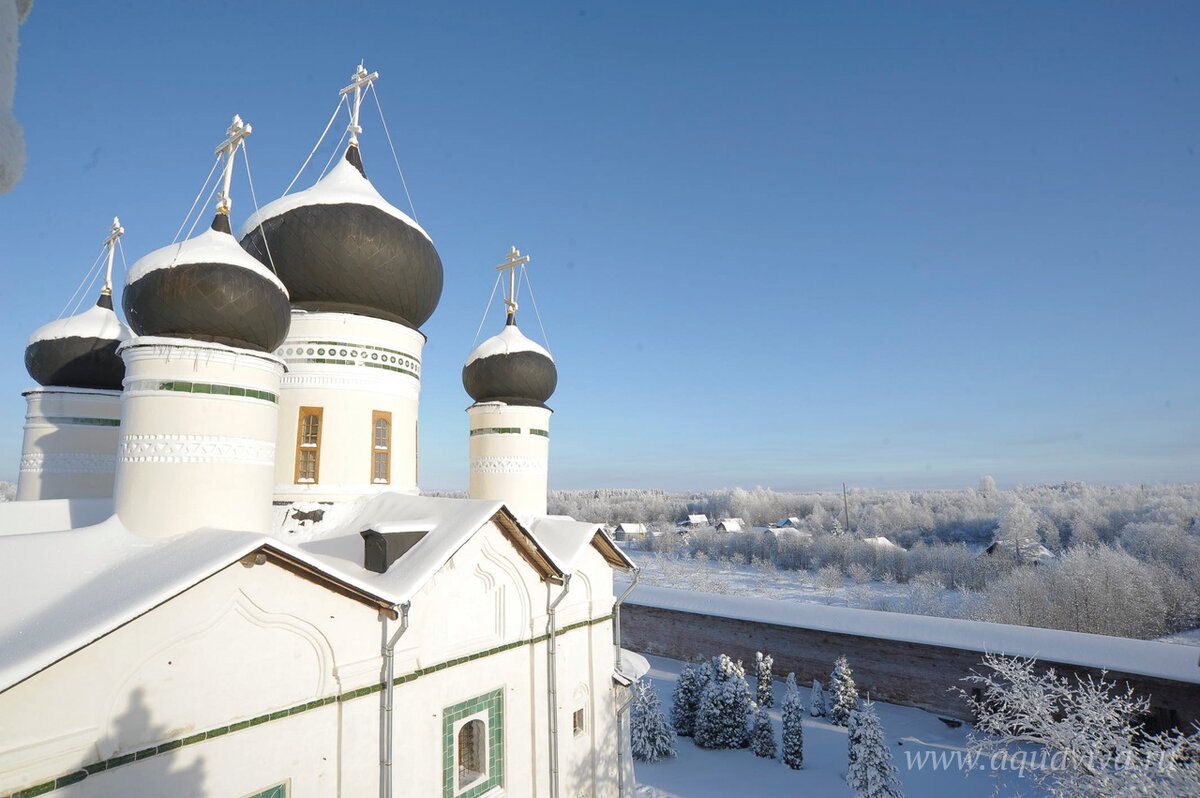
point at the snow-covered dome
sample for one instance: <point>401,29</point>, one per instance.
<point>340,246</point>
<point>510,368</point>
<point>79,351</point>
<point>207,288</point>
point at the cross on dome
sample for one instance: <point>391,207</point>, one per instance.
<point>114,235</point>
<point>237,132</point>
<point>359,81</point>
<point>511,262</point>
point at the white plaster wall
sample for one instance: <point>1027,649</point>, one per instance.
<point>62,455</point>
<point>245,642</point>
<point>509,467</point>
<point>348,391</point>
<point>190,460</point>
<point>253,640</point>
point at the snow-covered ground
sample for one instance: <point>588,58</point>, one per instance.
<point>730,578</point>
<point>926,751</point>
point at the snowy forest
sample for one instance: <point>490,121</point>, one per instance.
<point>1116,560</point>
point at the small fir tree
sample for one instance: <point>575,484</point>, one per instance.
<point>762,735</point>
<point>793,729</point>
<point>725,707</point>
<point>686,697</point>
<point>651,738</point>
<point>871,772</point>
<point>763,679</point>
<point>817,706</point>
<point>845,694</point>
<point>852,737</point>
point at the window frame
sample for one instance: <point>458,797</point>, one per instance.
<point>302,447</point>
<point>481,754</point>
<point>386,450</point>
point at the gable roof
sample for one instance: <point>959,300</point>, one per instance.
<point>566,538</point>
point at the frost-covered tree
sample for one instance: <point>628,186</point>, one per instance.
<point>1088,733</point>
<point>816,705</point>
<point>762,735</point>
<point>1017,531</point>
<point>987,486</point>
<point>651,738</point>
<point>685,700</point>
<point>871,772</point>
<point>793,727</point>
<point>725,706</point>
<point>763,679</point>
<point>844,693</point>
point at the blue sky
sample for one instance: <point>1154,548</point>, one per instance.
<point>781,244</point>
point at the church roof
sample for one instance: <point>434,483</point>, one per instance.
<point>62,590</point>
<point>565,539</point>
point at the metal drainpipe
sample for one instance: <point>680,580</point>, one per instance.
<point>624,707</point>
<point>389,668</point>
<point>552,681</point>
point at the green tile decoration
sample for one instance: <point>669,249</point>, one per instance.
<point>278,791</point>
<point>180,386</point>
<point>84,422</point>
<point>493,702</point>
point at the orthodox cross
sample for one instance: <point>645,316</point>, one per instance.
<point>358,82</point>
<point>238,130</point>
<point>114,235</point>
<point>511,262</point>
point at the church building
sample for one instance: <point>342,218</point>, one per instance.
<point>220,576</point>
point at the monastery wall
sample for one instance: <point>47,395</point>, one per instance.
<point>898,671</point>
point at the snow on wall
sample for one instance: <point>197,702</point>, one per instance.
<point>1145,657</point>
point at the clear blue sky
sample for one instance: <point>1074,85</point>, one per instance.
<point>783,244</point>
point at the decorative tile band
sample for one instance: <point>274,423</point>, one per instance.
<point>182,386</point>
<point>67,463</point>
<point>508,464</point>
<point>80,421</point>
<point>545,433</point>
<point>195,449</point>
<point>117,761</point>
<point>493,704</point>
<point>496,431</point>
<point>342,353</point>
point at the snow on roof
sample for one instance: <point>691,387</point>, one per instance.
<point>633,665</point>
<point>63,590</point>
<point>51,515</point>
<point>508,341</point>
<point>95,322</point>
<point>450,523</point>
<point>881,542</point>
<point>697,519</point>
<point>344,185</point>
<point>1124,655</point>
<point>211,246</point>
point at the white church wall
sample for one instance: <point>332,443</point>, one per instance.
<point>349,367</point>
<point>70,444</point>
<point>174,472</point>
<point>235,648</point>
<point>509,453</point>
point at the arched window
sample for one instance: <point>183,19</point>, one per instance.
<point>381,447</point>
<point>472,753</point>
<point>308,444</point>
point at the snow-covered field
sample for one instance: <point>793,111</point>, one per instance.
<point>724,577</point>
<point>926,751</point>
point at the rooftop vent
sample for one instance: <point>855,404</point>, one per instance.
<point>381,549</point>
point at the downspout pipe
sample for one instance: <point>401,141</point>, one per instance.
<point>624,705</point>
<point>389,674</point>
<point>552,679</point>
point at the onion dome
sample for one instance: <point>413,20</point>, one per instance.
<point>79,351</point>
<point>340,246</point>
<point>208,289</point>
<point>510,368</point>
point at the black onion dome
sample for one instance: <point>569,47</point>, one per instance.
<point>208,289</point>
<point>340,246</point>
<point>510,368</point>
<point>79,351</point>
